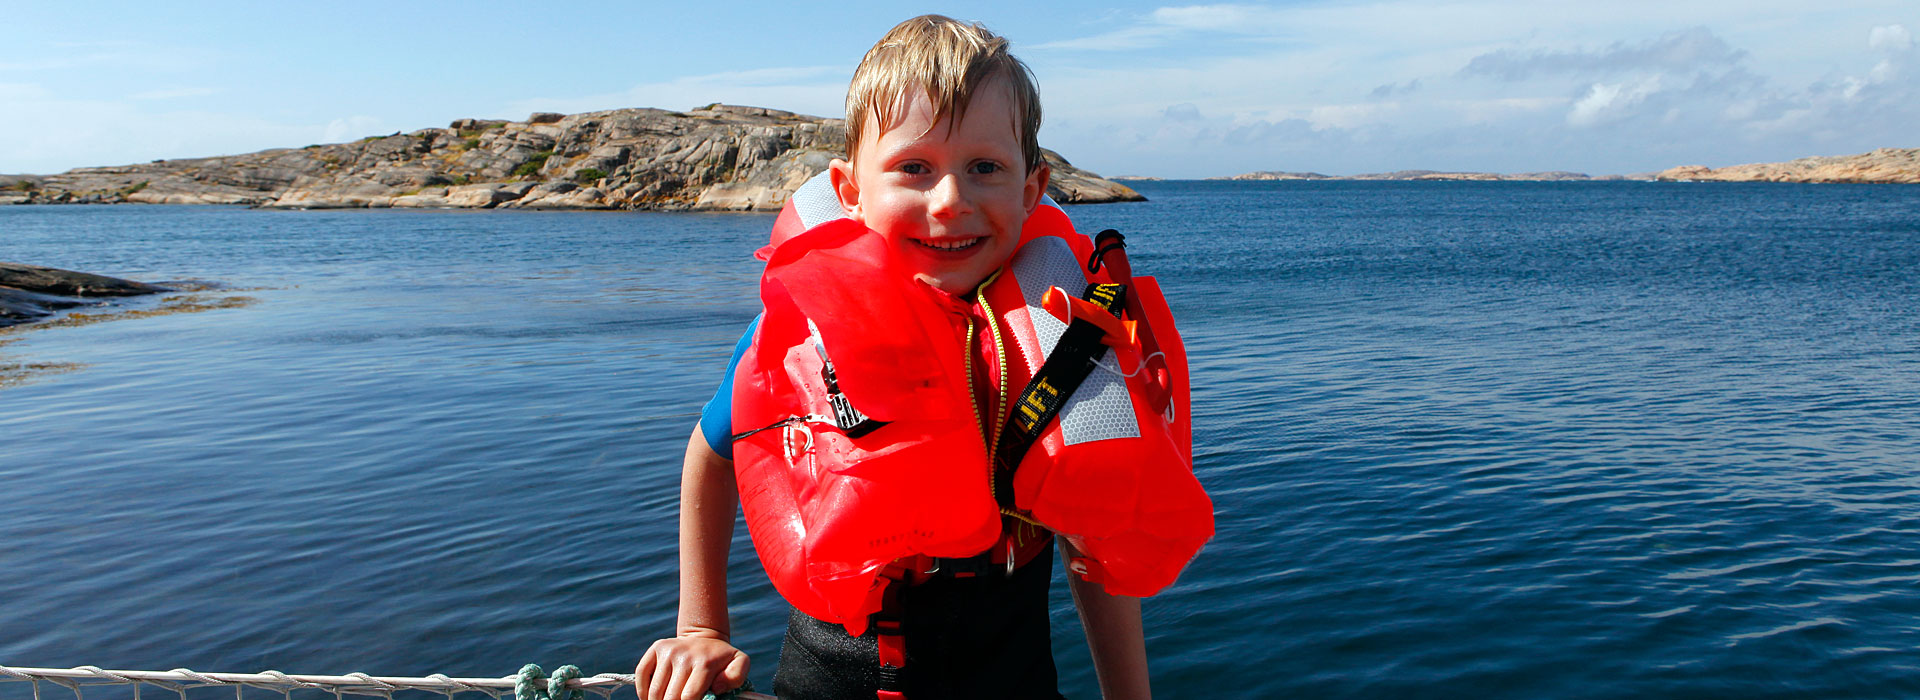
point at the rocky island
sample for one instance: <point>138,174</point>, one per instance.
<point>1406,175</point>
<point>720,157</point>
<point>1886,165</point>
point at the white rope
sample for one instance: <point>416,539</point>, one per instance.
<point>180,680</point>
<point>1136,370</point>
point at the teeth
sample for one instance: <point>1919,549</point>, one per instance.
<point>949,244</point>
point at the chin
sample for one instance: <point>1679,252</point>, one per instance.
<point>951,283</point>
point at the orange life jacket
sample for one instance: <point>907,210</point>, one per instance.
<point>859,443</point>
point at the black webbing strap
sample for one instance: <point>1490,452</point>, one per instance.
<point>890,638</point>
<point>1066,367</point>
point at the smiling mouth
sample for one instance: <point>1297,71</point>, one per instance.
<point>949,245</point>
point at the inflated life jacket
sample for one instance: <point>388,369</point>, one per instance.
<point>860,443</point>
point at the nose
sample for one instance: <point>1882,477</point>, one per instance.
<point>946,200</point>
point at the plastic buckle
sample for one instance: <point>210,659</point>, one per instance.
<point>787,440</point>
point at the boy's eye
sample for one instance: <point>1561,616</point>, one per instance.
<point>986,167</point>
<point>913,168</point>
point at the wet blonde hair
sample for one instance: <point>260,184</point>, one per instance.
<point>948,60</point>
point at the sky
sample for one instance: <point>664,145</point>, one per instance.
<point>1128,88</point>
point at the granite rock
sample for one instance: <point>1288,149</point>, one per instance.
<point>1886,165</point>
<point>720,157</point>
<point>31,293</point>
<point>50,280</point>
<point>1418,175</point>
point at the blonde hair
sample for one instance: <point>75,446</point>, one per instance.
<point>948,60</point>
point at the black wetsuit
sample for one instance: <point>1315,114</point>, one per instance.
<point>979,637</point>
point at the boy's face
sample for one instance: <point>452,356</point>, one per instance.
<point>951,202</point>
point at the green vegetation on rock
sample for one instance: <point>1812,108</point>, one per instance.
<point>533,165</point>
<point>589,175</point>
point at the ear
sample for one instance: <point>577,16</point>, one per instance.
<point>1036,186</point>
<point>840,175</point>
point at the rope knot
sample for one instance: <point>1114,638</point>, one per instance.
<point>526,684</point>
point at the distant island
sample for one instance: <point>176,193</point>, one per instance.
<point>1886,165</point>
<point>1551,176</point>
<point>720,157</point>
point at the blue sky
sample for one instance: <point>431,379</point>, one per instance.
<point>1129,88</point>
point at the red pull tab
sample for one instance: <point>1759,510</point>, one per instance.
<point>1122,336</point>
<point>1067,307</point>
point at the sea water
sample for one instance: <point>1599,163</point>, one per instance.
<point>1463,439</point>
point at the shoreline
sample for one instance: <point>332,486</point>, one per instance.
<point>34,298</point>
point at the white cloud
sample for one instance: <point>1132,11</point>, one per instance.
<point>1119,40</point>
<point>1217,88</point>
<point>1499,110</point>
<point>1477,84</point>
<point>354,127</point>
<point>122,56</point>
<point>1606,102</point>
<point>1169,25</point>
<point>1685,50</point>
<point>816,90</point>
<point>22,91</point>
<point>174,93</point>
<point>71,133</point>
<point>1210,17</point>
<point>1346,116</point>
<point>1892,37</point>
<point>1183,112</point>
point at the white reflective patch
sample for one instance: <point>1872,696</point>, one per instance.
<point>1100,409</point>
<point>815,202</point>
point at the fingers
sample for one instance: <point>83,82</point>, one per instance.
<point>687,669</point>
<point>661,674</point>
<point>734,675</point>
<point>643,671</point>
<point>676,687</point>
<point>698,678</point>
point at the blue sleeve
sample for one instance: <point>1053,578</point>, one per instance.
<point>716,419</point>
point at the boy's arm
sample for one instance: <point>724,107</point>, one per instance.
<point>1115,636</point>
<point>700,657</point>
<point>708,498</point>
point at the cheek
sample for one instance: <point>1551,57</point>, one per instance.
<point>892,207</point>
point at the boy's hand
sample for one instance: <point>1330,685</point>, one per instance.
<point>688,667</point>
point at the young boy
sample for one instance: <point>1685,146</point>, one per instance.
<point>943,161</point>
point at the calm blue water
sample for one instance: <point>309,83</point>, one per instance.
<point>1465,440</point>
